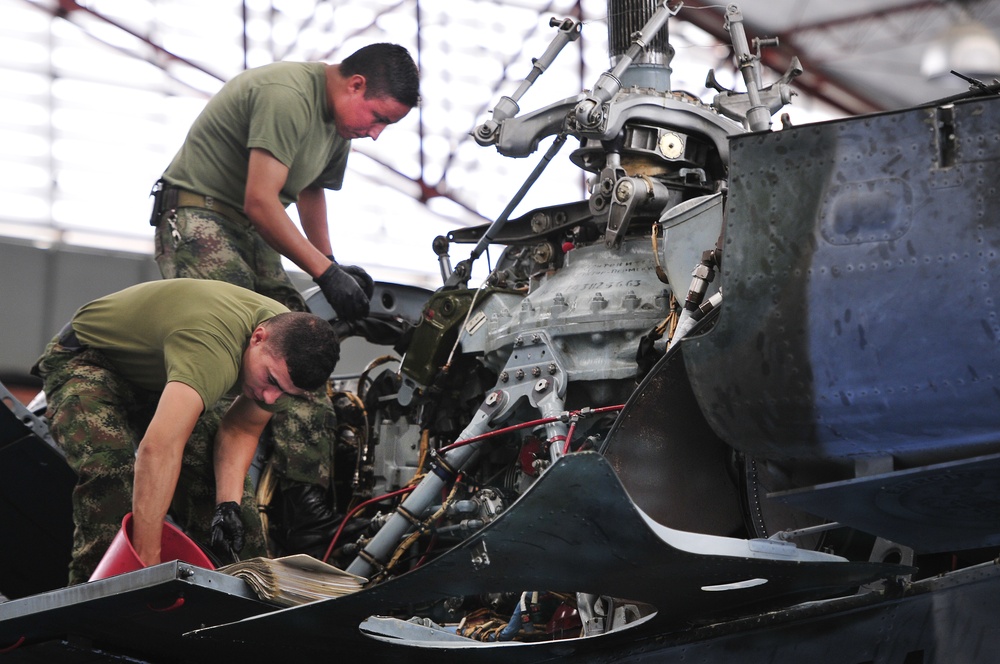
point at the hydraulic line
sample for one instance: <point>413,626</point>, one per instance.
<point>425,443</point>
<point>569,434</point>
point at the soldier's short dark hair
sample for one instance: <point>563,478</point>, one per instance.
<point>308,345</point>
<point>389,71</point>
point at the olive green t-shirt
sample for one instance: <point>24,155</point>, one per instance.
<point>193,331</point>
<point>281,107</point>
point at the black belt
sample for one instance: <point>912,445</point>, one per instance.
<point>67,338</point>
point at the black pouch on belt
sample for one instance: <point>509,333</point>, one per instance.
<point>164,198</point>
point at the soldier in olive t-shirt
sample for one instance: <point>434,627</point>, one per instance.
<point>281,108</point>
<point>126,384</point>
<point>185,330</point>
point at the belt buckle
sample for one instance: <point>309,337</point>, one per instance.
<point>209,202</point>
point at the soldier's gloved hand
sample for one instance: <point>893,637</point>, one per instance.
<point>358,273</point>
<point>227,527</point>
<point>343,293</point>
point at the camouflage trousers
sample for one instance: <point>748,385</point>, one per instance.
<point>201,244</point>
<point>98,419</point>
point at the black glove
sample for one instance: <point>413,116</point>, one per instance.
<point>227,528</point>
<point>358,273</point>
<point>342,291</point>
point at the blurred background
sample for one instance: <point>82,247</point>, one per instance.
<point>96,97</point>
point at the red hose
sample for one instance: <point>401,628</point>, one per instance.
<point>532,423</point>
<point>347,517</point>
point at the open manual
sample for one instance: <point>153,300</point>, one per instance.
<point>294,580</point>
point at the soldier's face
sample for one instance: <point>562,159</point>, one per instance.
<point>358,116</point>
<point>264,375</point>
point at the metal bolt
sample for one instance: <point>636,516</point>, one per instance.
<point>519,374</point>
<point>540,222</point>
<point>552,368</point>
<point>631,301</point>
<point>536,371</point>
<point>542,385</point>
<point>624,190</point>
<point>504,377</point>
<point>542,253</point>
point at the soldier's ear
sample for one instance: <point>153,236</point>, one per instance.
<point>259,335</point>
